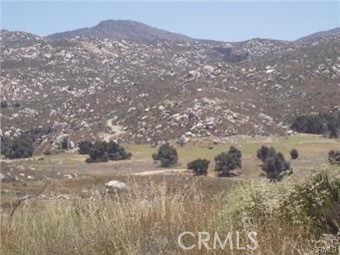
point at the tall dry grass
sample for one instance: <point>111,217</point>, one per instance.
<point>148,221</point>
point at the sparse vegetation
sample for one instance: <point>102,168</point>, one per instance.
<point>294,154</point>
<point>199,166</point>
<point>334,157</point>
<point>167,155</point>
<point>226,162</point>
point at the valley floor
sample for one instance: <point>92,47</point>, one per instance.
<point>177,199</point>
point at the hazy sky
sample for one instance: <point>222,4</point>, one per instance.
<point>228,21</point>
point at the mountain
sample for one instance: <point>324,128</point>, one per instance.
<point>136,91</point>
<point>319,35</point>
<point>121,30</point>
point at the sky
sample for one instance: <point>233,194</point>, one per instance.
<point>216,20</point>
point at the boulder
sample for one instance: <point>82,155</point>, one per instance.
<point>115,185</point>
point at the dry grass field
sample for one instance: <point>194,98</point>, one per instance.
<point>74,215</point>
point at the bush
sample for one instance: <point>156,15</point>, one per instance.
<point>315,205</point>
<point>334,157</point>
<point>167,155</point>
<point>65,143</point>
<point>102,151</point>
<point>3,104</point>
<point>23,145</point>
<point>274,164</point>
<point>265,153</point>
<point>20,147</point>
<point>311,207</point>
<point>294,154</point>
<point>226,162</point>
<point>84,147</point>
<point>199,166</point>
<point>116,152</point>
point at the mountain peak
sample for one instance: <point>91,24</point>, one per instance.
<point>121,30</point>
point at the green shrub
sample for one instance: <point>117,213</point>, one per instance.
<point>273,163</point>
<point>226,162</point>
<point>314,205</point>
<point>275,166</point>
<point>199,166</point>
<point>265,152</point>
<point>294,154</point>
<point>20,147</point>
<point>334,157</point>
<point>84,147</point>
<point>167,155</point>
<point>102,151</point>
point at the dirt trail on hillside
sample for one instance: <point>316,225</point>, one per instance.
<point>115,131</point>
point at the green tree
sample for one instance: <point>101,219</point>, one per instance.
<point>167,155</point>
<point>294,154</point>
<point>226,162</point>
<point>84,147</point>
<point>199,166</point>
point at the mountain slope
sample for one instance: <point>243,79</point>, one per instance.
<point>121,30</point>
<point>132,90</point>
<point>319,35</point>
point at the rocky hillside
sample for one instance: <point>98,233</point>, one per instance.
<point>110,85</point>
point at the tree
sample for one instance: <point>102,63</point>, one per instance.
<point>3,104</point>
<point>322,123</point>
<point>226,162</point>
<point>20,147</point>
<point>117,152</point>
<point>199,166</point>
<point>167,155</point>
<point>102,151</point>
<point>98,152</point>
<point>334,157</point>
<point>65,143</point>
<point>265,152</point>
<point>84,147</point>
<point>294,154</point>
<point>273,163</point>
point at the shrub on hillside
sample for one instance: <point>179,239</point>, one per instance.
<point>273,163</point>
<point>23,145</point>
<point>3,104</point>
<point>321,123</point>
<point>116,152</point>
<point>84,147</point>
<point>294,154</point>
<point>334,157</point>
<point>226,162</point>
<point>20,147</point>
<point>102,151</point>
<point>167,155</point>
<point>199,166</point>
